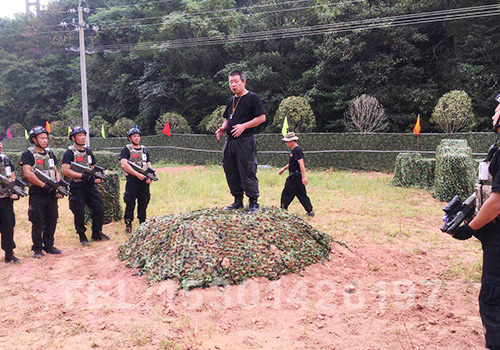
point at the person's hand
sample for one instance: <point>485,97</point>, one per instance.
<point>304,181</point>
<point>463,232</point>
<point>14,197</point>
<point>49,189</point>
<point>89,178</point>
<point>98,181</point>
<point>238,130</point>
<point>219,132</point>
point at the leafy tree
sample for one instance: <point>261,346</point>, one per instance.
<point>453,111</point>
<point>178,124</point>
<point>96,125</point>
<point>299,115</point>
<point>17,130</point>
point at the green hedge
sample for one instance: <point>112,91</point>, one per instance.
<point>455,170</point>
<point>412,170</point>
<point>347,147</point>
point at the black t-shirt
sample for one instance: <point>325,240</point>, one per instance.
<point>495,172</point>
<point>246,108</point>
<point>125,154</point>
<point>69,156</point>
<point>27,158</point>
<point>295,156</point>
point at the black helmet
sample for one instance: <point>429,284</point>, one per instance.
<point>77,130</point>
<point>133,131</point>
<point>37,130</point>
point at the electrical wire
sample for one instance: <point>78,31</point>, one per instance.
<point>366,24</point>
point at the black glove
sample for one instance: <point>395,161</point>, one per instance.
<point>49,189</point>
<point>463,232</point>
<point>86,177</point>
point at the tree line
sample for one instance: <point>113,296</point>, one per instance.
<point>148,60</point>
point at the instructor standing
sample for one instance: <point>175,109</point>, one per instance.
<point>243,113</point>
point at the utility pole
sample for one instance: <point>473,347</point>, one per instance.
<point>83,70</point>
<point>36,4</point>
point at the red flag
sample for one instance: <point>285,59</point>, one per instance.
<point>416,129</point>
<point>9,135</point>
<point>166,130</point>
<point>47,126</point>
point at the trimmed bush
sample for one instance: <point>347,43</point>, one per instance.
<point>454,170</point>
<point>299,115</point>
<point>121,126</point>
<point>412,170</point>
<point>213,121</point>
<point>96,126</point>
<point>453,111</point>
<point>17,130</point>
<point>178,124</point>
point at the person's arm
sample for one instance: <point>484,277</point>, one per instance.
<point>303,171</point>
<point>128,169</point>
<point>66,171</point>
<point>31,177</point>
<point>220,131</point>
<point>489,211</point>
<point>238,129</point>
<point>282,170</point>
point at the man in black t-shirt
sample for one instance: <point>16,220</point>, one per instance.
<point>43,197</point>
<point>486,228</point>
<point>137,187</point>
<point>7,217</point>
<point>82,190</point>
<point>243,113</point>
<point>296,182</point>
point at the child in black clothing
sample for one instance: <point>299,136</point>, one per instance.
<point>296,182</point>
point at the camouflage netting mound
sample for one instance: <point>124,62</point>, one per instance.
<point>207,246</point>
<point>412,170</point>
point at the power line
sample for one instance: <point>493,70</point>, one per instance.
<point>373,23</point>
<point>233,16</point>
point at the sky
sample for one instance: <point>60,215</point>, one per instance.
<point>9,7</point>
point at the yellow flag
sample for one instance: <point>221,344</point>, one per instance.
<point>102,132</point>
<point>284,130</point>
<point>26,134</point>
<point>69,130</point>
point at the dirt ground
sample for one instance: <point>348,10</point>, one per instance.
<point>366,296</point>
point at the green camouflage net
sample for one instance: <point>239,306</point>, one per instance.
<point>203,247</point>
<point>412,170</point>
<point>455,170</point>
<point>110,195</point>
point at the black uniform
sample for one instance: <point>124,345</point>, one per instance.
<point>240,153</point>
<point>293,185</point>
<point>43,207</point>
<point>489,296</point>
<point>84,193</point>
<point>7,218</point>
<point>136,189</point>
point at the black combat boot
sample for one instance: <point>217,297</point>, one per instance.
<point>128,227</point>
<point>238,204</point>
<point>84,240</point>
<point>253,207</point>
<point>100,237</point>
<point>10,258</point>
<point>52,250</point>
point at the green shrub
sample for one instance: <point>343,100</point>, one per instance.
<point>455,174</point>
<point>299,115</point>
<point>178,124</point>
<point>96,126</point>
<point>412,170</point>
<point>59,128</point>
<point>17,130</point>
<point>213,121</point>
<point>121,126</point>
<point>453,111</point>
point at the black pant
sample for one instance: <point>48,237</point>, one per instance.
<point>86,194</point>
<point>7,223</point>
<point>295,188</point>
<point>136,191</point>
<point>42,213</point>
<point>240,166</point>
<point>489,309</point>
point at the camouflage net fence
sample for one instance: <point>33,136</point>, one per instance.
<point>203,247</point>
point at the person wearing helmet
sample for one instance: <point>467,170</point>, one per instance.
<point>137,187</point>
<point>82,190</point>
<point>7,216</point>
<point>243,113</point>
<point>486,228</point>
<point>43,198</point>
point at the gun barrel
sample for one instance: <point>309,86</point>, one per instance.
<point>97,171</point>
